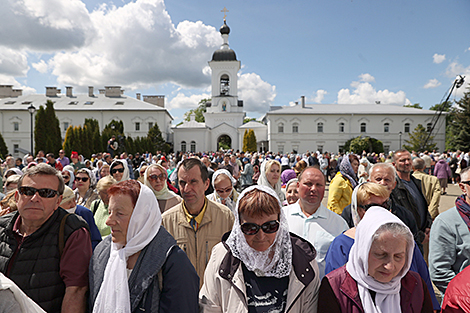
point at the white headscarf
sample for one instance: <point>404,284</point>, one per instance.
<point>72,176</point>
<point>144,224</point>
<point>125,174</point>
<point>233,194</point>
<point>26,304</point>
<point>263,180</point>
<point>276,261</point>
<point>387,297</point>
<point>164,193</point>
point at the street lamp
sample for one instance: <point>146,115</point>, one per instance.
<point>31,110</point>
<point>399,134</point>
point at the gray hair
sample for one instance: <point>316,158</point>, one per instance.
<point>397,230</point>
<point>387,166</point>
<point>418,163</point>
<point>43,169</point>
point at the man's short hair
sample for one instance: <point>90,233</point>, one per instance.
<point>418,163</point>
<point>50,155</point>
<point>399,151</point>
<point>388,166</point>
<point>43,169</point>
<point>465,172</point>
<point>299,177</point>
<point>189,163</point>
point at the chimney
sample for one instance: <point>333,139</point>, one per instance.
<point>90,91</point>
<point>112,91</point>
<point>52,91</point>
<point>192,117</point>
<point>68,91</point>
<point>155,100</point>
<point>137,95</point>
<point>302,101</point>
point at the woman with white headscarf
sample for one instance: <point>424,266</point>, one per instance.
<point>85,188</point>
<point>119,170</point>
<point>376,277</point>
<point>224,190</point>
<point>155,177</point>
<point>270,176</point>
<point>259,266</point>
<point>140,267</point>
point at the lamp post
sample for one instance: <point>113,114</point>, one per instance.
<point>31,110</point>
<point>399,134</point>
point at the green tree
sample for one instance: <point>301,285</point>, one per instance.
<point>199,111</point>
<point>68,141</point>
<point>417,141</point>
<point>113,128</point>
<point>93,133</point>
<point>416,106</point>
<point>3,147</point>
<point>251,145</point>
<point>156,138</point>
<point>47,136</point>
<point>460,125</point>
<point>360,144</point>
<point>249,119</point>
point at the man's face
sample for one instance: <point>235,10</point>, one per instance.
<point>311,187</point>
<point>35,210</point>
<point>403,162</point>
<point>192,187</point>
<point>226,159</point>
<point>61,153</point>
<point>384,177</point>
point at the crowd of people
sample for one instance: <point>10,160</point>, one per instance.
<point>230,231</point>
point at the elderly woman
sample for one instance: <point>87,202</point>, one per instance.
<point>270,176</point>
<point>363,171</point>
<point>140,267</point>
<point>68,176</point>
<point>260,266</point>
<point>155,177</point>
<point>84,188</point>
<point>224,190</point>
<point>99,207</point>
<point>292,192</point>
<point>342,185</point>
<point>376,277</point>
<point>104,170</point>
<point>119,170</point>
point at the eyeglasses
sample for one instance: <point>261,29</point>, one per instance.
<point>252,228</point>
<point>467,182</point>
<point>387,204</point>
<point>83,179</point>
<point>115,170</point>
<point>65,177</point>
<point>43,193</point>
<point>224,190</point>
<point>157,177</point>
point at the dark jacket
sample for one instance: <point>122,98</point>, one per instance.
<point>35,268</point>
<point>339,293</point>
<point>160,264</point>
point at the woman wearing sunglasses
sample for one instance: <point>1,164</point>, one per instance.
<point>68,176</point>
<point>84,188</point>
<point>224,192</point>
<point>260,266</point>
<point>119,170</point>
<point>155,177</point>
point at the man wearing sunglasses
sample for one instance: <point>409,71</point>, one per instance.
<point>310,219</point>
<point>42,249</point>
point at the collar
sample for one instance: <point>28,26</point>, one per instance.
<point>199,217</point>
<point>320,213</point>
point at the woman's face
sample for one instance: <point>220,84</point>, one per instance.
<point>292,193</point>
<point>355,165</point>
<point>156,178</point>
<point>66,177</point>
<point>104,171</point>
<point>80,182</point>
<point>387,256</point>
<point>223,186</point>
<point>273,174</point>
<point>118,172</point>
<point>260,241</point>
<point>120,211</point>
<point>104,195</point>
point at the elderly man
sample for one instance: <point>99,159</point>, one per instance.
<point>44,250</point>
<point>429,185</point>
<point>310,219</point>
<point>197,223</point>
<point>449,243</point>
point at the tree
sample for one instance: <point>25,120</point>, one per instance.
<point>368,144</point>
<point>199,112</point>
<point>93,133</point>
<point>249,119</point>
<point>249,141</point>
<point>417,141</point>
<point>416,106</point>
<point>156,138</point>
<point>3,147</point>
<point>68,141</point>
<point>47,134</point>
<point>114,128</point>
<point>460,125</point>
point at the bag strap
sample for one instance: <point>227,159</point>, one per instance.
<point>62,234</point>
<point>95,206</point>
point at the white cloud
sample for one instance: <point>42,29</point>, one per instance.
<point>10,80</point>
<point>432,83</point>
<point>453,70</point>
<point>13,62</point>
<point>41,66</point>
<point>364,93</point>
<point>257,95</point>
<point>182,101</point>
<point>438,58</point>
<point>318,97</point>
<point>366,78</point>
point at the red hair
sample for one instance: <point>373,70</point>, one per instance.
<point>128,187</point>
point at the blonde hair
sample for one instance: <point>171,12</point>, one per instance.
<point>105,182</point>
<point>270,163</point>
<point>365,191</point>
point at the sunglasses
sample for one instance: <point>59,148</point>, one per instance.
<point>228,189</point>
<point>252,228</point>
<point>65,177</point>
<point>467,182</point>
<point>386,205</point>
<point>157,177</point>
<point>43,193</point>
<point>115,170</point>
<point>83,179</point>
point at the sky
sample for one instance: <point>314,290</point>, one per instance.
<point>330,51</point>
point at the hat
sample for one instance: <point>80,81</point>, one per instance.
<point>74,155</point>
<point>67,195</point>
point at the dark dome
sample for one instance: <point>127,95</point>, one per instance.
<point>225,30</point>
<point>224,55</point>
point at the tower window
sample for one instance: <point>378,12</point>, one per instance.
<point>224,85</point>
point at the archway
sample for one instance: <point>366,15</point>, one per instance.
<point>224,142</point>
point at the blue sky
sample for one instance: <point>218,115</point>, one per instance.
<point>336,51</point>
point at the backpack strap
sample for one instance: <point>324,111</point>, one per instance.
<point>95,206</point>
<point>62,234</point>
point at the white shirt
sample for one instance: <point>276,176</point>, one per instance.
<point>319,229</point>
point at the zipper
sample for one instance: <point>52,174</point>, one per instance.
<point>15,254</point>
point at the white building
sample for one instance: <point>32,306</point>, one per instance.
<point>138,116</point>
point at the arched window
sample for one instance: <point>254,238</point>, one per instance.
<point>386,127</point>
<point>428,127</point>
<point>295,128</point>
<point>193,146</point>
<point>280,128</point>
<point>320,127</point>
<point>407,127</point>
<point>341,127</point>
<point>183,146</point>
<point>363,127</point>
<point>224,85</point>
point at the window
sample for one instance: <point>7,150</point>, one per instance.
<point>15,148</point>
<point>363,127</point>
<point>193,146</point>
<point>341,148</point>
<point>386,127</point>
<point>73,102</point>
<point>407,127</point>
<point>341,127</point>
<point>295,128</point>
<point>66,126</point>
<point>320,149</point>
<point>137,126</point>
<point>183,146</point>
<point>150,125</point>
<point>280,128</point>
<point>428,127</point>
<point>280,149</point>
<point>16,126</point>
<point>320,127</point>
<point>89,102</point>
<point>120,103</point>
<point>224,85</point>
<point>386,149</point>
